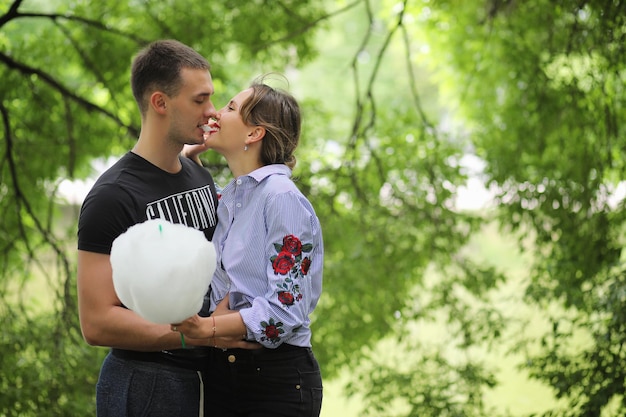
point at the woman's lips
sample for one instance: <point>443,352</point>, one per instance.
<point>211,128</point>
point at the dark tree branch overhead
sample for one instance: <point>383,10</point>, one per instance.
<point>13,14</point>
<point>89,64</point>
<point>417,103</point>
<point>21,199</point>
<point>307,27</point>
<point>48,79</point>
<point>71,139</point>
<point>367,101</point>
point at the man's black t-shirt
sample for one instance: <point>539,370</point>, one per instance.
<point>132,191</point>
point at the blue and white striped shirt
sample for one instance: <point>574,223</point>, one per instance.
<point>269,256</point>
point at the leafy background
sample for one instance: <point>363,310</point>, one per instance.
<point>429,308</point>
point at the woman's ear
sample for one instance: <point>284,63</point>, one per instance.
<point>256,134</point>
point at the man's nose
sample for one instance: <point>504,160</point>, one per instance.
<point>210,111</point>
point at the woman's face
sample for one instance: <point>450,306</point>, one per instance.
<point>229,132</point>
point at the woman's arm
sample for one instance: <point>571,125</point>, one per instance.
<point>193,152</point>
<point>227,325</point>
<point>292,268</point>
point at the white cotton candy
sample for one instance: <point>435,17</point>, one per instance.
<point>162,270</point>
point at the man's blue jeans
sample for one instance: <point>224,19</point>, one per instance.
<point>131,388</point>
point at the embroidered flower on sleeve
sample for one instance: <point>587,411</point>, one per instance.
<point>289,262</point>
<point>283,262</point>
<point>286,297</point>
<point>305,265</point>
<point>272,330</point>
<point>292,245</point>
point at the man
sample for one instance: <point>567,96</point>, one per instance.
<point>147,372</point>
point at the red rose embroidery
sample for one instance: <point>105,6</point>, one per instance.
<point>292,244</point>
<point>305,265</point>
<point>283,263</point>
<point>271,332</point>
<point>286,298</point>
<point>289,262</point>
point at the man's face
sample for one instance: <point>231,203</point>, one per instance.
<point>192,107</point>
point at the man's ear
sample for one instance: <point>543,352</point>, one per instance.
<point>256,134</point>
<point>158,101</point>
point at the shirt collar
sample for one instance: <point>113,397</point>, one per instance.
<point>265,171</point>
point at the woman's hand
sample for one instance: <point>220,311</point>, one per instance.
<point>195,327</point>
<point>193,152</point>
<point>200,329</point>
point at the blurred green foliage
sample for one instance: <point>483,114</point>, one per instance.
<point>395,96</point>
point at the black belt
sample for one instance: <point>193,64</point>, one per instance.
<point>194,359</point>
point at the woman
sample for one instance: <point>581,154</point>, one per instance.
<point>270,258</point>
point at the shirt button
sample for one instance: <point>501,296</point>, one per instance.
<point>238,182</point>
<point>232,358</point>
<point>298,386</point>
<point>238,205</point>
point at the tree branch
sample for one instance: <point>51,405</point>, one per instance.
<point>21,203</point>
<point>48,79</point>
<point>305,28</point>
<point>15,14</point>
<point>11,13</point>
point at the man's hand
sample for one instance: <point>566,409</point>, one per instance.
<point>223,307</point>
<point>231,342</point>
